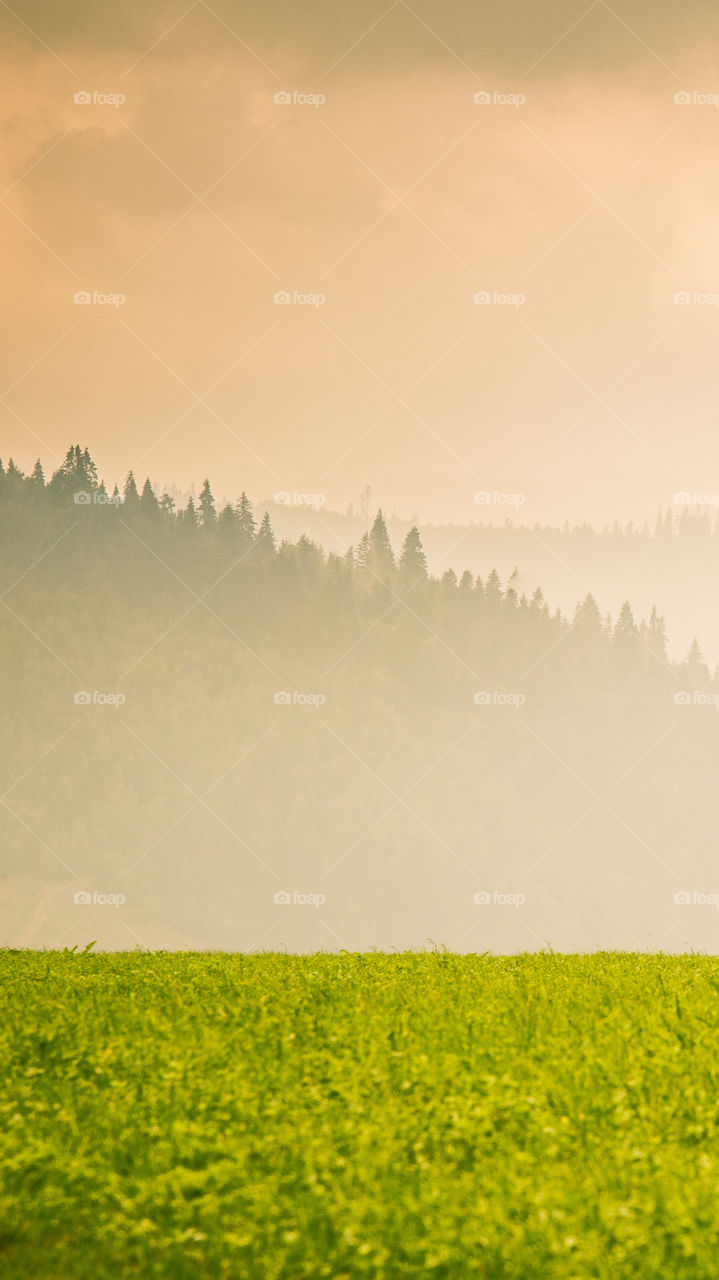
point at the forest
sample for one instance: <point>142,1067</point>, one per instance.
<point>246,726</point>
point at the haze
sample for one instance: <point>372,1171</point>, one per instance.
<point>396,199</point>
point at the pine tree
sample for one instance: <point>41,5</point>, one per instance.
<point>208,515</point>
<point>380,560</point>
<point>189,516</point>
<point>656,640</point>
<point>247,528</point>
<point>37,480</point>
<point>694,668</point>
<point>130,495</point>
<point>362,553</point>
<point>89,468</point>
<point>626,645</point>
<point>412,561</point>
<point>493,591</point>
<point>13,479</point>
<point>265,539</point>
<point>228,522</point>
<point>149,505</point>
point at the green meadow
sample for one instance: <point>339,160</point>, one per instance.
<point>284,1117</point>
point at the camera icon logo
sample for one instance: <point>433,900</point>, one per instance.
<point>283,698</point>
<point>482,298</point>
<point>682,898</point>
<point>83,298</point>
<point>82,97</point>
<point>83,698</point>
<point>283,298</point>
<point>683,298</point>
<point>82,898</point>
<point>682,98</point>
<point>282,97</point>
<point>283,497</point>
<point>283,898</point>
<point>482,699</point>
<point>682,698</point>
<point>82,498</point>
<point>482,899</point>
<point>482,99</point>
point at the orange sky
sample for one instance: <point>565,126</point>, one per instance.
<point>396,200</point>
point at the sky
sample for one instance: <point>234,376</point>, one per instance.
<point>507,306</point>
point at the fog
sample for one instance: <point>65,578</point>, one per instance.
<point>213,739</point>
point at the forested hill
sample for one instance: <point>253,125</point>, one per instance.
<point>236,719</point>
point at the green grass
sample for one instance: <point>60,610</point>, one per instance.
<point>380,1116</point>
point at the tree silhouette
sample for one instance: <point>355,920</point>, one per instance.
<point>412,561</point>
<point>207,513</point>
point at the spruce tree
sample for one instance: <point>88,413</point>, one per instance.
<point>412,560</point>
<point>380,560</point>
<point>265,540</point>
<point>247,528</point>
<point>130,495</point>
<point>207,513</point>
<point>148,502</point>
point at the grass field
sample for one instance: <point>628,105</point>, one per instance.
<point>385,1116</point>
